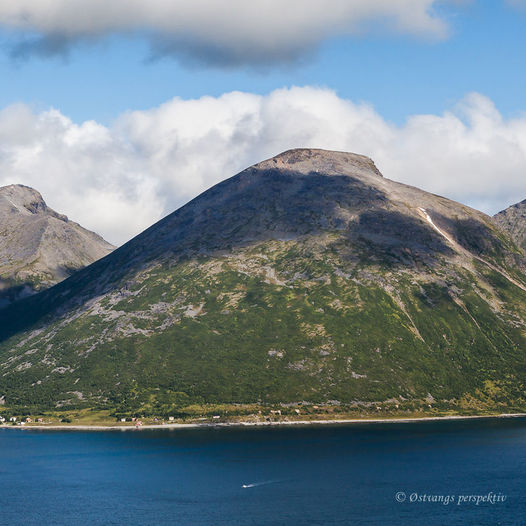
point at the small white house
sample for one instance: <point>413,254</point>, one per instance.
<point>171,418</point>
<point>12,419</point>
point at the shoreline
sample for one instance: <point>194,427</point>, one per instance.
<point>195,425</point>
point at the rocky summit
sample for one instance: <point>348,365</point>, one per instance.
<point>513,221</point>
<point>305,279</point>
<point>38,246</point>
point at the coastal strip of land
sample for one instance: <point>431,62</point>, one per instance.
<point>190,425</point>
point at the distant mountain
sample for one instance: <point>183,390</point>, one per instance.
<point>38,246</point>
<point>513,221</point>
<point>308,278</point>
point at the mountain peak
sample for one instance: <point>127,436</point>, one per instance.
<point>326,162</point>
<point>513,221</point>
<point>306,277</point>
<point>24,199</point>
<point>38,246</point>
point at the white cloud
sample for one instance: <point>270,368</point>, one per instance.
<point>224,33</point>
<point>119,180</point>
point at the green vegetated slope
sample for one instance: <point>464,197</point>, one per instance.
<point>307,278</point>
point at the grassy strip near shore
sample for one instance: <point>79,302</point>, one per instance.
<point>249,414</point>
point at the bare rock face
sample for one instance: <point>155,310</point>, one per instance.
<point>38,246</point>
<point>310,160</point>
<point>513,221</point>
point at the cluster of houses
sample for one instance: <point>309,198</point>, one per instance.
<point>138,422</point>
<point>14,420</point>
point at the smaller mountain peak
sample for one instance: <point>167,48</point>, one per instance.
<point>27,200</point>
<point>327,162</point>
<point>24,198</point>
<point>522,204</point>
<point>513,221</point>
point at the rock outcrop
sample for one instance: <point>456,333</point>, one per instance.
<point>513,221</point>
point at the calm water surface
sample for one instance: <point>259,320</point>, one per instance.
<point>309,475</point>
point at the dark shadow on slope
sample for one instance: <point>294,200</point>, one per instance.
<point>250,207</point>
<point>473,235</point>
<point>11,291</point>
<point>484,241</point>
<point>392,239</point>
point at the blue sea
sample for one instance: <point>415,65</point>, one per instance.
<point>432,473</point>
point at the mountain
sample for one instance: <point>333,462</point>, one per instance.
<point>38,246</point>
<point>513,221</point>
<point>307,278</point>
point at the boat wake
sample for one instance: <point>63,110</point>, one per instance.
<point>255,484</point>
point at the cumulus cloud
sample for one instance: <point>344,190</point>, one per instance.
<point>118,180</point>
<point>223,33</point>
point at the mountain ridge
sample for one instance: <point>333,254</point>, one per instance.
<point>308,276</point>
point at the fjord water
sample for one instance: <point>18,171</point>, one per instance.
<point>257,476</point>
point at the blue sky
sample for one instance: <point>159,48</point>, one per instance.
<point>400,75</point>
<point>134,110</point>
